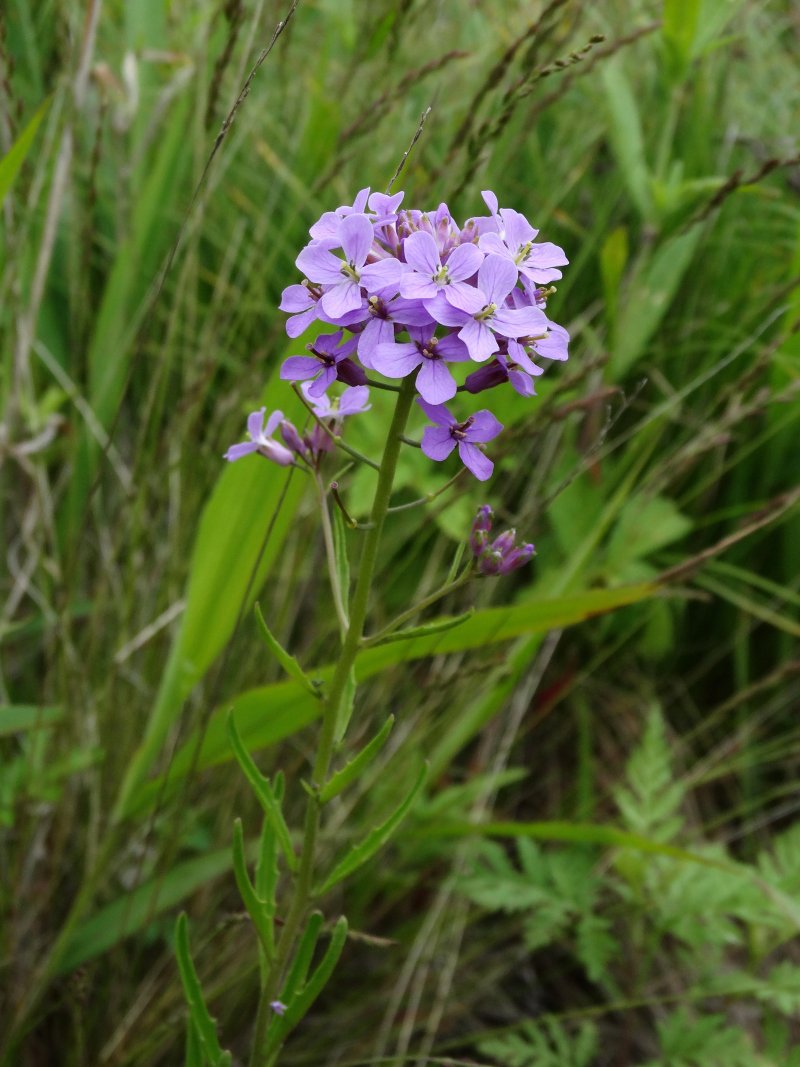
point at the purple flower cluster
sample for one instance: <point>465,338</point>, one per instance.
<point>308,447</point>
<point>406,292</point>
<point>503,555</point>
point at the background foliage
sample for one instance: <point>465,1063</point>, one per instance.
<point>632,895</point>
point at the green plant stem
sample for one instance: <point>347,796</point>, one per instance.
<point>332,709</point>
<point>426,602</point>
<point>339,594</point>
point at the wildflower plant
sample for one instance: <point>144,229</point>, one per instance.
<point>435,312</point>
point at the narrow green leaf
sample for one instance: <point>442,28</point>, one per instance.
<point>199,1015</point>
<point>298,972</point>
<point>435,626</point>
<point>299,1006</point>
<point>194,1047</point>
<point>11,163</point>
<point>346,709</point>
<point>287,661</point>
<point>17,718</point>
<point>340,551</point>
<point>130,913</point>
<point>647,299</point>
<point>375,839</point>
<point>341,779</point>
<point>257,909</point>
<point>581,833</point>
<point>625,132</point>
<point>263,791</point>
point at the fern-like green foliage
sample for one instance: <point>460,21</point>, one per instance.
<point>650,801</point>
<point>546,1044</point>
<point>557,893</point>
<point>689,1040</point>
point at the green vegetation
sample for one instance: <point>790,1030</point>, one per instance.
<point>601,862</point>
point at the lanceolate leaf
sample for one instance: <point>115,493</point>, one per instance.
<point>257,909</point>
<point>341,779</point>
<point>265,794</point>
<point>287,661</point>
<point>375,839</point>
<point>297,1007</point>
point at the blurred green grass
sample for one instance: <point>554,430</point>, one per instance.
<point>132,556</point>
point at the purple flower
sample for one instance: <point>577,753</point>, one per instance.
<point>353,401</point>
<point>439,440</point>
<point>482,313</point>
<point>278,1007</point>
<point>428,352</point>
<point>261,440</point>
<point>503,555</point>
<point>343,278</point>
<point>327,363</point>
<point>553,345</point>
<point>430,276</point>
<point>383,314</point>
<point>538,262</point>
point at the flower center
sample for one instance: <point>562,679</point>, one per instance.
<point>376,307</point>
<point>487,313</point>
<point>460,432</point>
<point>428,348</point>
<point>523,252</point>
<point>349,271</point>
<point>441,277</point>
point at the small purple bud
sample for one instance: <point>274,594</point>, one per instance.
<point>319,439</point>
<point>481,525</point>
<point>487,377</point>
<point>292,438</point>
<point>490,563</point>
<point>516,558</point>
<point>278,1007</point>
<point>350,373</point>
<point>505,542</point>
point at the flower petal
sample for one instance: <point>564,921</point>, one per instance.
<point>354,400</point>
<point>496,278</point>
<point>272,423</point>
<point>298,368</point>
<point>356,235</point>
<point>421,253</point>
<point>437,413</point>
<point>463,262</point>
<point>396,360</point>
<point>519,322</point>
<point>479,339</point>
<point>435,383</point>
<point>319,264</point>
<point>237,451</point>
<point>437,443</point>
<point>340,298</point>
<point>255,423</point>
<point>475,461</point>
<point>376,332</point>
<point>484,426</point>
<point>384,274</point>
<point>415,286</point>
